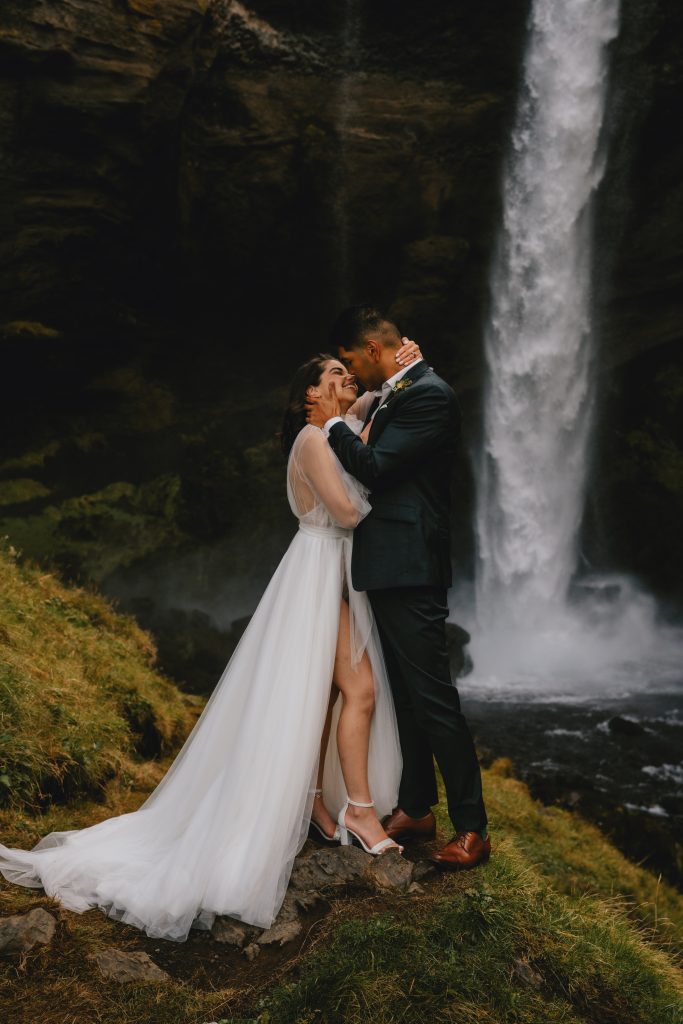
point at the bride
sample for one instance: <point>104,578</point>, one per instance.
<point>219,834</point>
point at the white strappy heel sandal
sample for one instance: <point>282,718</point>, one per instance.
<point>346,832</point>
<point>336,837</point>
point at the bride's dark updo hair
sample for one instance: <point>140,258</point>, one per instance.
<point>294,420</point>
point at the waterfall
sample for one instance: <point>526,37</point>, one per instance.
<point>538,407</point>
<point>539,342</point>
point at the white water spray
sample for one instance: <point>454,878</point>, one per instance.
<point>538,406</point>
<point>539,402</point>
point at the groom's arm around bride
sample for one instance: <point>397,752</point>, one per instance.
<point>401,557</point>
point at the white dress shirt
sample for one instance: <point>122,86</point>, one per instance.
<point>383,393</point>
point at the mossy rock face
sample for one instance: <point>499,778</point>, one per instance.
<point>92,534</point>
<point>22,490</point>
<point>79,687</point>
<point>144,404</point>
<point>635,503</point>
<point>18,329</point>
<point>30,459</point>
<point>139,713</point>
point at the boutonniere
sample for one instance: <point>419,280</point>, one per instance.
<point>402,384</point>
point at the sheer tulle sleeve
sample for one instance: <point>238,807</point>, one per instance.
<point>344,497</point>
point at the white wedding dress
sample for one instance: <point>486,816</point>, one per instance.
<point>220,832</point>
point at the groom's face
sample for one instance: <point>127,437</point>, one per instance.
<point>363,363</point>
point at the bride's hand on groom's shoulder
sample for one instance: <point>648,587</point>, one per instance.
<point>408,352</point>
<point>320,409</point>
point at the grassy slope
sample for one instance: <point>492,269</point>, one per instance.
<point>80,699</point>
<point>559,927</point>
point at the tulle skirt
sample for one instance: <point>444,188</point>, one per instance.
<point>219,834</point>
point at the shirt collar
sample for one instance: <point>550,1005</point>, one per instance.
<point>388,384</point>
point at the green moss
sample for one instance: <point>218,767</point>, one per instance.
<point>658,457</point>
<point>29,329</point>
<point>15,492</point>
<point>31,460</point>
<point>559,928</point>
<point>147,404</point>
<point>499,946</point>
<point>577,859</point>
<point>93,534</point>
<point>79,694</point>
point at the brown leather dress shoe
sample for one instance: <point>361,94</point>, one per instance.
<point>465,850</point>
<point>400,826</point>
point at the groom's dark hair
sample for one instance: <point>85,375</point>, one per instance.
<point>353,325</point>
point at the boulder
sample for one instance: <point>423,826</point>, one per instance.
<point>423,869</point>
<point>328,869</point>
<point>137,968</point>
<point>625,726</point>
<point>233,932</point>
<point>390,871</point>
<point>527,974</point>
<point>21,932</point>
<point>286,926</point>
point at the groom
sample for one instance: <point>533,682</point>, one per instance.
<point>401,557</point>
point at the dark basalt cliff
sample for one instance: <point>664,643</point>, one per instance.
<point>188,191</point>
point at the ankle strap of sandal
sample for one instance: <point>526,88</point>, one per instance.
<point>356,803</point>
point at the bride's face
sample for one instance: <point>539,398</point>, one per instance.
<point>344,383</point>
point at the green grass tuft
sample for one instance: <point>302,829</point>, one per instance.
<point>498,945</point>
<point>80,698</point>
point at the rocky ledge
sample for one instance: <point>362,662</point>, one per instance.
<point>319,874</point>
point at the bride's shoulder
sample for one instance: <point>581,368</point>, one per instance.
<point>309,436</point>
<point>311,433</point>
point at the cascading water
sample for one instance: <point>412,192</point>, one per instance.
<point>538,342</point>
<point>539,399</point>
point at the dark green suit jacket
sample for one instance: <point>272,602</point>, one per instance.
<point>407,465</point>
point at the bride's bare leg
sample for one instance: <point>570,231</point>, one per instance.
<point>320,813</point>
<point>353,732</point>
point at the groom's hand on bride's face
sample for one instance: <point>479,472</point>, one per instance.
<point>320,410</point>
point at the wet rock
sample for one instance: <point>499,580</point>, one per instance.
<point>457,639</point>
<point>307,899</point>
<point>619,726</point>
<point>137,968</point>
<point>280,933</point>
<point>527,975</point>
<point>390,871</point>
<point>423,869</point>
<point>286,926</point>
<point>232,932</point>
<point>21,932</point>
<point>328,868</point>
<point>86,61</point>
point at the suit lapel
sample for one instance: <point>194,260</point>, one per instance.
<point>373,406</point>
<point>384,411</point>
